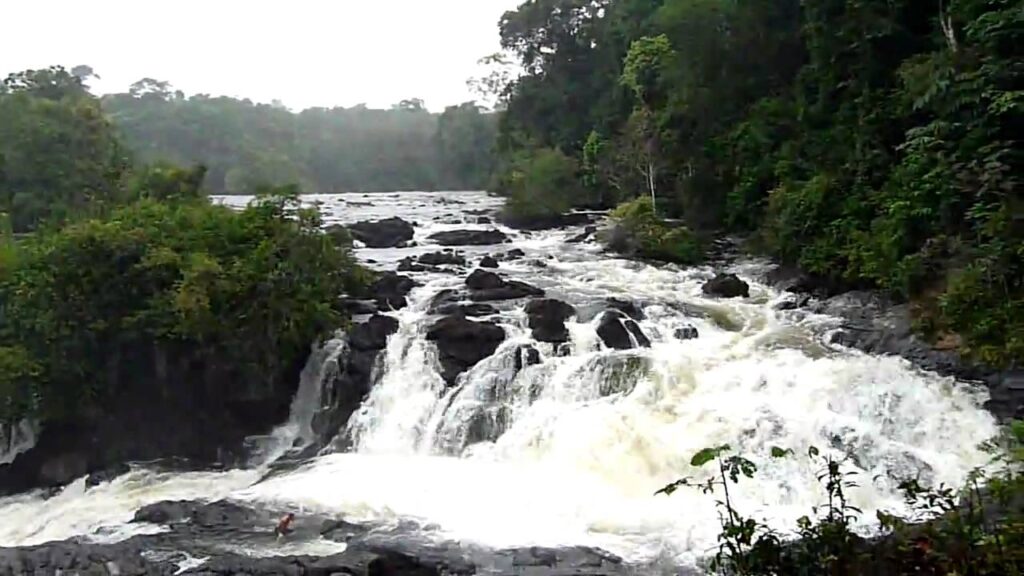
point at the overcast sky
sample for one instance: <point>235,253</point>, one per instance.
<point>303,52</point>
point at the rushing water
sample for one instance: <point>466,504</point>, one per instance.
<point>571,451</point>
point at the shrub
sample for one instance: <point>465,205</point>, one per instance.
<point>642,232</point>
<point>251,289</point>
<point>539,183</point>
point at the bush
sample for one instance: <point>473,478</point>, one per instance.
<point>251,289</point>
<point>538,184</point>
<point>641,231</point>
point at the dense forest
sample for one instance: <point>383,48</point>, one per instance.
<point>324,150</point>
<point>875,143</point>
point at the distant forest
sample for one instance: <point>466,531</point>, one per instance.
<point>325,150</point>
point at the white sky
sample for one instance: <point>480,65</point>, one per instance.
<point>303,52</point>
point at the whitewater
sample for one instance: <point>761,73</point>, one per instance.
<point>572,450</point>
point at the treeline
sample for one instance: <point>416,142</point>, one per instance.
<point>876,143</point>
<point>124,282</point>
<point>324,150</point>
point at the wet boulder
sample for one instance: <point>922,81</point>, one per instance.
<point>726,286</point>
<point>486,286</point>
<point>688,332</point>
<point>620,332</point>
<point>587,233</point>
<point>103,476</point>
<point>488,262</point>
<point>513,254</point>
<point>388,233</point>
<point>442,259</point>
<point>547,318</point>
<point>409,264</point>
<point>462,343</point>
<point>628,308</point>
<point>373,334</point>
<point>469,237</point>
<point>526,356</point>
<point>484,280</point>
<point>390,290</point>
<point>470,310</point>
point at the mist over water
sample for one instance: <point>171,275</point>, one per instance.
<point>571,451</point>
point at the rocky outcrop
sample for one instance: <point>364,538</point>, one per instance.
<point>172,401</point>
<point>488,262</point>
<point>620,332</point>
<point>389,233</point>
<point>442,259</point>
<point>462,343</point>
<point>469,237</point>
<point>486,286</point>
<point>352,378</point>
<point>204,531</point>
<point>390,290</point>
<point>546,318</point>
<point>726,286</point>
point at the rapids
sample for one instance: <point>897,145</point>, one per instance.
<point>571,451</point>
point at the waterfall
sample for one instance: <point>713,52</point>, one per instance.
<point>17,437</point>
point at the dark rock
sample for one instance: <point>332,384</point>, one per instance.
<point>587,233</point>
<point>483,220</point>
<point>97,478</point>
<point>726,286</point>
<point>547,320</point>
<point>357,307</point>
<point>470,310</point>
<point>373,334</point>
<point>547,222</point>
<point>793,303</point>
<point>513,254</point>
<point>484,280</point>
<point>628,308</point>
<point>469,237</point>
<point>390,289</point>
<point>388,233</point>
<point>64,468</point>
<point>409,264</point>
<point>526,356</point>
<point>442,258</point>
<point>688,332</point>
<point>462,343</point>
<point>618,332</point>
<point>511,290</point>
<point>444,298</point>
<point>488,262</point>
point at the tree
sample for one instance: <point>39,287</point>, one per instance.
<point>641,73</point>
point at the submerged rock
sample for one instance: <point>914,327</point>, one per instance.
<point>547,318</point>
<point>462,343</point>
<point>388,233</point>
<point>726,286</point>
<point>488,262</point>
<point>619,331</point>
<point>688,332</point>
<point>470,237</point>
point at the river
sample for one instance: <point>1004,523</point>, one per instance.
<point>571,451</point>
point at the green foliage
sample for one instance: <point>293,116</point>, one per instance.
<point>876,143</point>
<point>325,150</point>
<point>539,183</point>
<point>249,289</point>
<point>652,237</point>
<point>58,154</point>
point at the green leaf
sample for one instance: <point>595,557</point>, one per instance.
<point>708,454</point>
<point>781,452</point>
